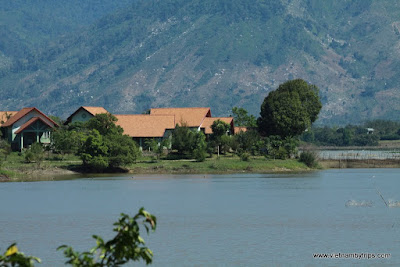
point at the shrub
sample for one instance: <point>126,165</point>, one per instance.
<point>309,158</point>
<point>34,154</point>
<point>29,157</point>
<point>5,149</point>
<point>200,154</point>
<point>244,156</point>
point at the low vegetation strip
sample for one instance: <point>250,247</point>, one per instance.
<point>221,165</point>
<point>52,168</point>
<point>360,163</point>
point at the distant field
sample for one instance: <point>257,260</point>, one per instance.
<point>389,144</point>
<point>383,145</point>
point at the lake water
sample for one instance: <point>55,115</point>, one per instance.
<point>215,220</point>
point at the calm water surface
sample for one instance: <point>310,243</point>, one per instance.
<point>215,220</point>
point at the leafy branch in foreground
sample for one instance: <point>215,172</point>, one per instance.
<point>125,246</point>
<point>13,257</point>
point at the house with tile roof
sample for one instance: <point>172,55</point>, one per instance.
<point>207,122</point>
<point>27,126</point>
<point>159,124</point>
<point>84,114</point>
<point>142,127</point>
<point>191,117</point>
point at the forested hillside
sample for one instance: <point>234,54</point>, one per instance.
<point>159,53</point>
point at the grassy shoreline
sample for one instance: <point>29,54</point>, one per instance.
<point>15,169</point>
<point>219,166</point>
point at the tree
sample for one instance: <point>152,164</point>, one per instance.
<point>241,118</point>
<point>219,129</point>
<point>278,148</point>
<point>94,151</point>
<point>5,149</point>
<point>66,141</point>
<point>200,150</point>
<point>104,146</point>
<point>183,140</point>
<point>105,124</point>
<point>122,150</point>
<point>127,245</point>
<point>189,143</point>
<point>247,142</point>
<point>57,120</point>
<point>13,257</point>
<point>35,154</point>
<point>289,110</point>
<point>158,147</point>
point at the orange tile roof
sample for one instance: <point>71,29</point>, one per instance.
<point>209,121</point>
<point>5,115</point>
<point>95,110</point>
<point>145,125</point>
<point>193,117</point>
<point>20,114</point>
<point>31,121</point>
<point>239,129</point>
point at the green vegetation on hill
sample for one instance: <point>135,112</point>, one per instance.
<point>200,53</point>
<point>26,24</point>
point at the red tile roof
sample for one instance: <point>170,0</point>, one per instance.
<point>209,121</point>
<point>30,122</point>
<point>145,125</point>
<point>193,117</point>
<point>22,113</point>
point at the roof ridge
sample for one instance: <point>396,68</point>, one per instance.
<point>24,111</point>
<point>184,108</point>
<point>143,115</point>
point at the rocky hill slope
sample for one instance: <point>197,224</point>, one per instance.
<point>160,53</point>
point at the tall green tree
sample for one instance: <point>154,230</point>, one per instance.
<point>94,152</point>
<point>122,150</point>
<point>249,142</point>
<point>105,124</point>
<point>242,118</point>
<point>66,141</point>
<point>289,110</point>
<point>200,151</point>
<point>189,143</point>
<point>105,146</point>
<point>183,140</point>
<point>219,130</point>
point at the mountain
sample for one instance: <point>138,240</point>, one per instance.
<point>225,53</point>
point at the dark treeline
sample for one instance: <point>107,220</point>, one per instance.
<point>367,134</point>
